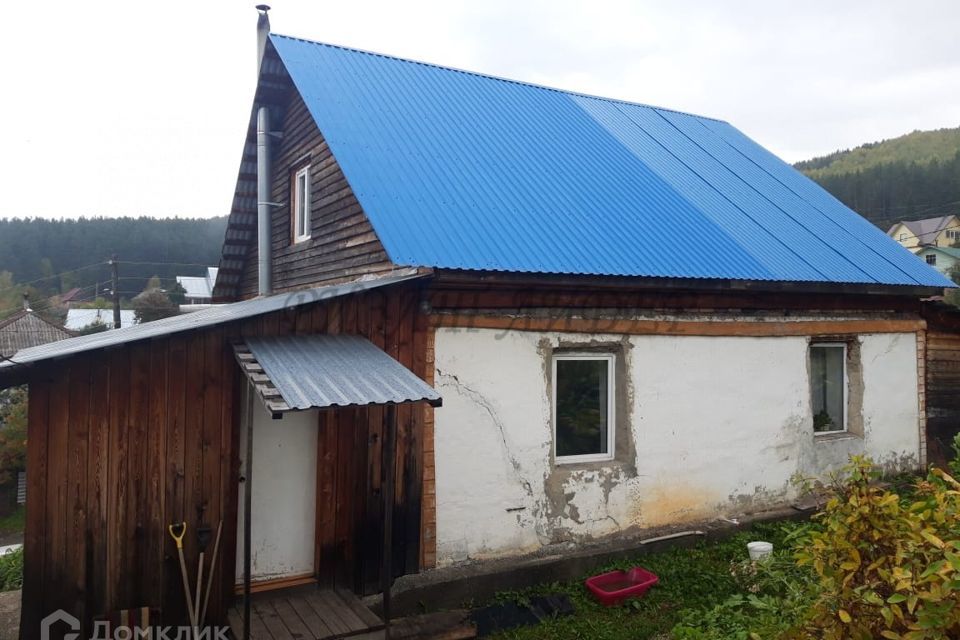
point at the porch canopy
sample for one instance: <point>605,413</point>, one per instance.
<point>302,372</point>
<point>295,373</point>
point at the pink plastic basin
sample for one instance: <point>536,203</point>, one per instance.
<point>614,587</point>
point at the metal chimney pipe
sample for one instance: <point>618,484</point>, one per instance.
<point>263,33</point>
<point>264,276</point>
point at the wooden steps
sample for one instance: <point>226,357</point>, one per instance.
<point>305,614</point>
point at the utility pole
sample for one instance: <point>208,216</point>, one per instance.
<point>114,266</point>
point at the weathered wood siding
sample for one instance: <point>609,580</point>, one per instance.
<point>942,393</point>
<point>123,443</point>
<point>343,244</point>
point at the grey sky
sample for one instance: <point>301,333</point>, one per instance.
<point>139,108</point>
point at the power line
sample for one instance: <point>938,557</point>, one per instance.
<point>4,312</point>
<point>174,264</point>
<point>935,232</point>
<point>55,275</point>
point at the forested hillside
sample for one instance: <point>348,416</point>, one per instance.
<point>914,176</point>
<point>54,256</point>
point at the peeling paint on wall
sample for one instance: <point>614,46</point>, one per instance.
<point>713,427</point>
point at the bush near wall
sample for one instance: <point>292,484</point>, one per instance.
<point>888,566</point>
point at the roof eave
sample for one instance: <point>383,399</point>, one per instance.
<point>468,278</point>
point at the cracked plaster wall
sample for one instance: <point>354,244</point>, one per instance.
<point>719,427</point>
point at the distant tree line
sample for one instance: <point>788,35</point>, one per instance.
<point>893,191</point>
<point>53,256</point>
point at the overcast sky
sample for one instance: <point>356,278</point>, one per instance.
<point>139,108</point>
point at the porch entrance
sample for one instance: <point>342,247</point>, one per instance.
<point>284,499</point>
<point>314,404</point>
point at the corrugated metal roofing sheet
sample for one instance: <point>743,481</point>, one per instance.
<point>320,371</point>
<point>197,320</point>
<point>79,318</point>
<point>465,171</point>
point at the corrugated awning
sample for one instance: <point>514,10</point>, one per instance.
<point>293,373</point>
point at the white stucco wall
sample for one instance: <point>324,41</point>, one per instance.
<point>720,427</point>
<point>283,500</point>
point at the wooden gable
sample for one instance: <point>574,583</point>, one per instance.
<point>343,244</point>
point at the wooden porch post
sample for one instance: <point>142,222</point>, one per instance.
<point>389,465</point>
<point>247,500</point>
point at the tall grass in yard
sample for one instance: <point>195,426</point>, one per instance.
<point>11,570</point>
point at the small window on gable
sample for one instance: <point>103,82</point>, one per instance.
<point>301,204</point>
<point>583,407</point>
<point>931,258</point>
<point>828,386</point>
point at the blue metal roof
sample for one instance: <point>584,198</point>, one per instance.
<point>464,171</point>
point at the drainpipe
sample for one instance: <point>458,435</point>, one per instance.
<point>263,202</point>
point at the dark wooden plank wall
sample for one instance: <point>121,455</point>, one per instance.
<point>122,443</point>
<point>343,244</point>
<point>943,393</point>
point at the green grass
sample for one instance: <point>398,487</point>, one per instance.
<point>13,523</point>
<point>695,584</point>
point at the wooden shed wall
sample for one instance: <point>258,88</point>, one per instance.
<point>124,442</point>
<point>343,244</point>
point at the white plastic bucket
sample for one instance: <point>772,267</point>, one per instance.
<point>758,550</point>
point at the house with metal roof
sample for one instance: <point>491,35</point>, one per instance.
<point>199,289</point>
<point>941,231</point>
<point>78,319</point>
<point>943,259</point>
<point>402,232</point>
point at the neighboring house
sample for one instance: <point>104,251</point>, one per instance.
<point>199,289</point>
<point>27,329</point>
<point>942,231</point>
<point>943,259</point>
<point>429,232</point>
<point>80,318</point>
<point>70,297</point>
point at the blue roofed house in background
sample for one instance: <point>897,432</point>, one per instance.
<point>514,248</point>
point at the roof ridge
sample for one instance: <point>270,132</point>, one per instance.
<point>490,76</point>
<point>13,318</point>
<point>23,313</point>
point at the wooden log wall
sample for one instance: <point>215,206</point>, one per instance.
<point>124,442</point>
<point>942,393</point>
<point>343,244</point>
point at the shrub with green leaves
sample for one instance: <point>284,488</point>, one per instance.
<point>888,567</point>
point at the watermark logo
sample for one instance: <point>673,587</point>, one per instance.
<point>60,616</point>
<point>52,628</point>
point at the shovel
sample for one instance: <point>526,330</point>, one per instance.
<point>203,539</point>
<point>213,561</point>
<point>182,528</point>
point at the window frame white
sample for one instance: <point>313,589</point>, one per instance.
<point>846,386</point>
<point>301,205</point>
<point>611,360</point>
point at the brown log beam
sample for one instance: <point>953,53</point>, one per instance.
<point>679,327</point>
